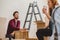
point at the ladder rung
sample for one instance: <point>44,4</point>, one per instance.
<point>35,5</point>
<point>36,13</point>
<point>30,6</point>
<point>27,21</point>
<point>29,13</point>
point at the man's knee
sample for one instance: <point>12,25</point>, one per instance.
<point>9,36</point>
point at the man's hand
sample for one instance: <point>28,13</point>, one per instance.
<point>23,30</point>
<point>13,33</point>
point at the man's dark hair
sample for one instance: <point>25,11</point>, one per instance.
<point>15,13</point>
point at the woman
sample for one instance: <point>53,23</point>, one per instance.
<point>52,4</point>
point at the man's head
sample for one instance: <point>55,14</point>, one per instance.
<point>16,15</point>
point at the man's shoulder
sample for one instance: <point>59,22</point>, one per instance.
<point>11,20</point>
<point>18,20</point>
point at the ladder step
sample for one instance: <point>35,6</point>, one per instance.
<point>27,21</point>
<point>30,5</point>
<point>29,13</point>
<point>36,13</point>
<point>35,5</point>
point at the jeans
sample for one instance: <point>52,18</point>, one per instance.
<point>10,36</point>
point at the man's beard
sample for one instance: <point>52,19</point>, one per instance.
<point>17,18</point>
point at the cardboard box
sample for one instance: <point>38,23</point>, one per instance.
<point>21,34</point>
<point>4,38</point>
<point>19,39</point>
<point>40,24</point>
<point>31,39</point>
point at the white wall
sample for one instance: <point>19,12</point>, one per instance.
<point>7,7</point>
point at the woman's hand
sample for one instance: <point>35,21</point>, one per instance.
<point>46,13</point>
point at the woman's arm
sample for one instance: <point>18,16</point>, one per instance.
<point>46,13</point>
<point>48,16</point>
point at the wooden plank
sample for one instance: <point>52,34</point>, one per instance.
<point>19,39</point>
<point>40,24</point>
<point>3,21</point>
<point>21,34</point>
<point>31,39</point>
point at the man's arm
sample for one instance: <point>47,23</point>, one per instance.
<point>18,25</point>
<point>13,26</point>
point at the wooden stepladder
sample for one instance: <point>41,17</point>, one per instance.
<point>31,13</point>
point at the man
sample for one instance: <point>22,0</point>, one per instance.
<point>14,25</point>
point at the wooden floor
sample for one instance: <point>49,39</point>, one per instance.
<point>19,39</point>
<point>51,38</point>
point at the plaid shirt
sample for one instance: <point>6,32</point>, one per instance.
<point>12,26</point>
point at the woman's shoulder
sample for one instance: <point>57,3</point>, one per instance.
<point>57,7</point>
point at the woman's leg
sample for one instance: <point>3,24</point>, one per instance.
<point>39,35</point>
<point>43,32</point>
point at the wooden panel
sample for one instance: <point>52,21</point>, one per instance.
<point>4,38</point>
<point>31,39</point>
<point>22,34</point>
<point>2,26</point>
<point>40,24</point>
<point>2,21</point>
<point>19,39</point>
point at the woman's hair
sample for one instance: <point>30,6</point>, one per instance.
<point>54,2</point>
